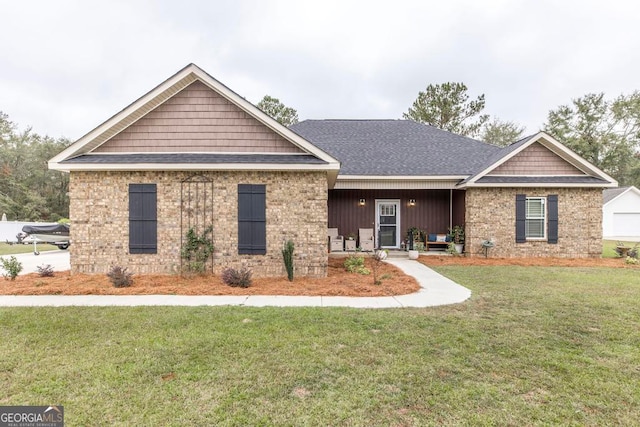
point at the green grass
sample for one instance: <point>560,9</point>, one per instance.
<point>6,249</point>
<point>608,247</point>
<point>533,346</point>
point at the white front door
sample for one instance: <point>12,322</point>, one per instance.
<point>388,224</point>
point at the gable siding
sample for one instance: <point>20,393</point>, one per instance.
<point>197,119</point>
<point>536,160</point>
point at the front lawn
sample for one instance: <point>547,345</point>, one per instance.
<point>533,346</point>
<point>7,249</point>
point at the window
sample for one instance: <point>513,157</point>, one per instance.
<point>143,219</point>
<point>536,218</point>
<point>252,231</point>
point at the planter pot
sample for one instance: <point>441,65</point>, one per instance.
<point>459,247</point>
<point>414,254</point>
<point>623,250</point>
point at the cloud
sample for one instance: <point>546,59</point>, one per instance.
<point>70,65</point>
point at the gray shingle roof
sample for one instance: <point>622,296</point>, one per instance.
<point>395,147</point>
<point>209,158</point>
<point>499,179</point>
<point>611,193</point>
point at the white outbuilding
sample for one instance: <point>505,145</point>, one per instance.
<point>621,214</point>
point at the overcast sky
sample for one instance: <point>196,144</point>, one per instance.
<point>67,66</point>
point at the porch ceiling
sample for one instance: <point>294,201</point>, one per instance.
<point>396,183</point>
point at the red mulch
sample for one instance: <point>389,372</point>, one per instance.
<point>338,282</point>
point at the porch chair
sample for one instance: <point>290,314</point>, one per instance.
<point>336,242</point>
<point>366,239</point>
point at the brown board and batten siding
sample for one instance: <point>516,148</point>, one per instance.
<point>431,212</point>
<point>536,160</point>
<point>197,119</point>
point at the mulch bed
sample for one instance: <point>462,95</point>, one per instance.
<point>338,283</point>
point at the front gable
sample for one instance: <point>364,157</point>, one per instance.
<point>538,161</point>
<point>195,120</point>
<point>191,121</point>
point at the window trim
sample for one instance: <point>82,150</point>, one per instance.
<point>544,217</point>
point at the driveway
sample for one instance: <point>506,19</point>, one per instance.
<point>58,259</point>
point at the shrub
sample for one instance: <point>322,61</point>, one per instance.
<point>120,277</point>
<point>197,249</point>
<point>378,257</point>
<point>631,260</point>
<point>237,278</point>
<point>287,255</point>
<point>12,267</point>
<point>355,264</point>
<point>45,270</point>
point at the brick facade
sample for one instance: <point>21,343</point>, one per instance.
<point>296,209</point>
<point>490,213</point>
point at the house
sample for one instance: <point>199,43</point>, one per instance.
<point>533,198</point>
<point>621,213</point>
<point>192,154</point>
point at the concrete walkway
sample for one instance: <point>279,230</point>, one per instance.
<point>436,290</point>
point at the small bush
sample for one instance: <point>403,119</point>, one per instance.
<point>196,250</point>
<point>45,270</point>
<point>287,255</point>
<point>12,267</point>
<point>378,257</point>
<point>237,278</point>
<point>632,261</point>
<point>120,277</point>
<point>355,264</point>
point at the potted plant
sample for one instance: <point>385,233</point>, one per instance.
<point>622,249</point>
<point>413,233</point>
<point>456,234</point>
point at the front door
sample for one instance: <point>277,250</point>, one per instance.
<point>388,223</point>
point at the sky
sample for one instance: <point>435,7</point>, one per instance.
<point>67,66</point>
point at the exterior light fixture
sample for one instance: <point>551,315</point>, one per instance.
<point>361,202</point>
<point>412,202</point>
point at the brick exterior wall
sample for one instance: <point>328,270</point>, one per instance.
<point>296,209</point>
<point>490,213</point>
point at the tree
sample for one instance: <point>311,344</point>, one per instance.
<point>28,189</point>
<point>447,106</point>
<point>500,133</point>
<point>606,133</point>
<point>284,115</point>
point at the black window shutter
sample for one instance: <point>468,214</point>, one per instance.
<point>552,220</point>
<point>252,223</point>
<point>521,212</point>
<point>143,219</point>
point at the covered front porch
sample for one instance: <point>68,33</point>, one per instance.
<point>390,213</point>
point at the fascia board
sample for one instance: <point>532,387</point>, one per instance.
<point>88,167</point>
<point>533,184</point>
<point>402,177</point>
